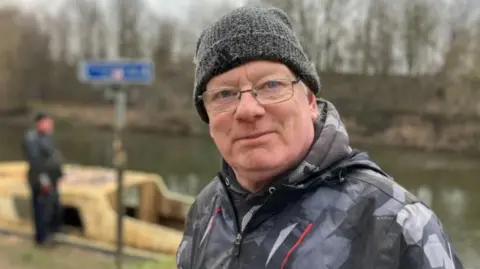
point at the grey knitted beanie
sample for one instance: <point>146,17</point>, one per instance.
<point>245,34</point>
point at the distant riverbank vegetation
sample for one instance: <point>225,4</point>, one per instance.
<point>412,79</point>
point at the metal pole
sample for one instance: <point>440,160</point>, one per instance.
<point>120,156</point>
<point>120,110</point>
<point>120,160</point>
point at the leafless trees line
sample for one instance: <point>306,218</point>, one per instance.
<point>364,37</point>
<point>412,37</point>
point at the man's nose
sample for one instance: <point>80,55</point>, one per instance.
<point>248,108</point>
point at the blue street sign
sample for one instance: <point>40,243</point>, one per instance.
<point>116,72</point>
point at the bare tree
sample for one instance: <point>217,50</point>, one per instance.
<point>368,31</point>
<point>460,39</point>
<point>129,38</point>
<point>199,16</point>
<point>34,60</point>
<point>385,37</point>
<point>162,56</point>
<point>371,45</point>
<point>86,16</point>
<point>12,87</point>
<point>461,59</point>
<point>358,48</point>
<point>420,23</point>
<point>321,28</point>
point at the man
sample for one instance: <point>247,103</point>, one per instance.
<point>44,172</point>
<point>291,192</point>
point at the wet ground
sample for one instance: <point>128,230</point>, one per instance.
<point>16,253</point>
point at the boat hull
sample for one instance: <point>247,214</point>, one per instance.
<point>156,218</point>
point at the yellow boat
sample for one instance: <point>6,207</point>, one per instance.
<point>154,217</point>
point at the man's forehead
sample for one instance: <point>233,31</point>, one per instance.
<point>265,68</point>
<point>252,71</point>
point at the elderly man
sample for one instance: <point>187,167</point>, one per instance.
<point>291,192</point>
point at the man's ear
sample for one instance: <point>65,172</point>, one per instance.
<point>312,104</point>
<point>210,131</point>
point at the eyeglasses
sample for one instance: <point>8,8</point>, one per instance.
<point>265,93</point>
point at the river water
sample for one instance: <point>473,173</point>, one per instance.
<point>446,182</point>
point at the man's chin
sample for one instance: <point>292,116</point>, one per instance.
<point>259,163</point>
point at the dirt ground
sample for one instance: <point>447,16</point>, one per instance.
<point>16,253</point>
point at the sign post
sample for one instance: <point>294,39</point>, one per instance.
<point>117,74</point>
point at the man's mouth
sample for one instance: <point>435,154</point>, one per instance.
<point>253,136</point>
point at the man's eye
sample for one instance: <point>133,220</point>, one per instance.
<point>273,84</point>
<point>223,94</point>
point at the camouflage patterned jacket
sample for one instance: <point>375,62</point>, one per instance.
<point>336,210</point>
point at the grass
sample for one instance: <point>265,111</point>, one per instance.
<point>16,253</point>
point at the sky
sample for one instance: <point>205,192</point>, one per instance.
<point>176,8</point>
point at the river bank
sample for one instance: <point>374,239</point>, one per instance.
<point>389,129</point>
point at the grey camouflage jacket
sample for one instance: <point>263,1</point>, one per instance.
<point>336,210</point>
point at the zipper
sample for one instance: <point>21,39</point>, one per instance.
<point>239,236</point>
<point>238,242</point>
<point>241,233</point>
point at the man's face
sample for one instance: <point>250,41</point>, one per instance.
<point>45,125</point>
<point>262,139</point>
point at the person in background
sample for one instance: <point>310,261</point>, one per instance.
<point>291,192</point>
<point>44,173</point>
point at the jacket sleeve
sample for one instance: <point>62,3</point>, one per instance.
<point>33,154</point>
<point>185,250</point>
<point>425,243</point>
